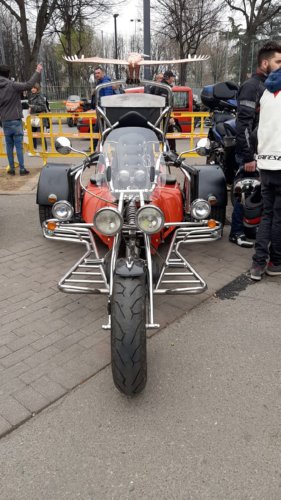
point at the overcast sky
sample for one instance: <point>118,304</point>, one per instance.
<point>133,9</point>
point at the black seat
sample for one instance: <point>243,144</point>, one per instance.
<point>133,119</point>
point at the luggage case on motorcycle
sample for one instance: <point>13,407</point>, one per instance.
<point>219,96</point>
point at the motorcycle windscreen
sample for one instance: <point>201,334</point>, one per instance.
<point>133,160</point>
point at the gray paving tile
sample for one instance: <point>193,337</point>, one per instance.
<point>49,388</point>
<point>4,426</point>
<point>13,411</point>
<point>31,399</point>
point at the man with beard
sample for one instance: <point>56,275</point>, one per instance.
<point>248,107</point>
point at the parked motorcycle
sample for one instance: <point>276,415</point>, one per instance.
<point>128,209</point>
<point>220,99</point>
<point>74,104</point>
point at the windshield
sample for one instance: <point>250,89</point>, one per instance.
<point>135,159</point>
<point>73,98</point>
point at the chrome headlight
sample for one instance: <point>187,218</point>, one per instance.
<point>150,219</point>
<point>200,209</point>
<point>108,221</point>
<point>62,210</point>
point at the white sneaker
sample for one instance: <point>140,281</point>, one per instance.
<point>33,154</point>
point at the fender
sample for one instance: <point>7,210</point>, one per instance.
<point>54,179</point>
<point>210,180</point>
<point>137,268</point>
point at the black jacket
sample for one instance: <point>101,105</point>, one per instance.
<point>160,91</point>
<point>10,96</point>
<point>37,103</point>
<point>248,107</point>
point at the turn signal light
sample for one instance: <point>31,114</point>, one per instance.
<point>52,198</point>
<point>211,223</point>
<point>51,226</point>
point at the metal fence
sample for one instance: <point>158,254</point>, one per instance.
<point>59,93</point>
<point>57,122</point>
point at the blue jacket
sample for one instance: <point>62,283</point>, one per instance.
<point>108,90</point>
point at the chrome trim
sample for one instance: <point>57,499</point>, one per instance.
<point>176,265</point>
<point>177,275</point>
<point>151,323</point>
<point>77,190</point>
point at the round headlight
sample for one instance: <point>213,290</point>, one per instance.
<point>150,219</point>
<point>108,221</point>
<point>62,210</point>
<point>200,209</point>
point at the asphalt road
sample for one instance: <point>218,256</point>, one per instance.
<point>207,425</point>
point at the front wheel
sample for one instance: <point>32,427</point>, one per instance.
<point>128,334</point>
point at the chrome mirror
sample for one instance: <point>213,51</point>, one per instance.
<point>63,145</point>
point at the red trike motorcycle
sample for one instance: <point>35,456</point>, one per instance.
<point>133,216</point>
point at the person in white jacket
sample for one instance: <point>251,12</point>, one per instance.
<point>267,256</point>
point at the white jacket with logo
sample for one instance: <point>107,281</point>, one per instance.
<point>269,132</point>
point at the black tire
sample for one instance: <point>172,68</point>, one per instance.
<point>218,213</point>
<point>45,212</point>
<point>128,334</point>
<point>70,122</point>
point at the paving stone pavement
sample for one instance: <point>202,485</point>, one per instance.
<point>51,342</point>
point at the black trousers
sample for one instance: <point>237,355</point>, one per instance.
<point>268,241</point>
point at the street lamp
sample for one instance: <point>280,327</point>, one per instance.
<point>115,41</point>
<point>135,37</point>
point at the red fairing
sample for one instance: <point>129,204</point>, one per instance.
<point>167,198</point>
<point>91,205</point>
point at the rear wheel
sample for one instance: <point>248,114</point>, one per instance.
<point>45,212</point>
<point>218,213</point>
<point>128,334</point>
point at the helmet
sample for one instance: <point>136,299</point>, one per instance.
<point>243,188</point>
<point>244,184</point>
<point>253,206</point>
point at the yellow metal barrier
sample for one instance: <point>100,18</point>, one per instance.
<point>57,122</point>
<point>197,120</point>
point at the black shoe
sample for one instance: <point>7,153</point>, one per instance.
<point>241,240</point>
<point>256,272</point>
<point>273,269</point>
<point>24,172</point>
<point>11,171</point>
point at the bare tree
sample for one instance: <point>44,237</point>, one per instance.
<point>256,13</point>
<point>23,12</point>
<point>187,23</point>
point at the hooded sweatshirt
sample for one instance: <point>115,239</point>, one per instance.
<point>269,130</point>
<point>10,96</point>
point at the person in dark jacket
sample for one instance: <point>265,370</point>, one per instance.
<point>100,77</point>
<point>248,101</point>
<point>11,114</point>
<point>169,79</point>
<point>37,104</point>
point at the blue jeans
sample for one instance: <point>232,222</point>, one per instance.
<point>237,226</point>
<point>268,241</point>
<point>13,132</point>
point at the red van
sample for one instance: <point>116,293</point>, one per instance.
<point>183,101</point>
